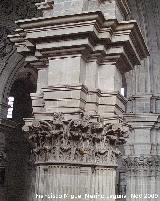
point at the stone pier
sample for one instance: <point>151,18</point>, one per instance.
<point>142,148</point>
<point>81,49</point>
<point>142,157</point>
<point>75,157</point>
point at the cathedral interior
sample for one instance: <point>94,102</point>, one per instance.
<point>79,100</point>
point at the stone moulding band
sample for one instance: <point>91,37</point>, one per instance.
<point>92,165</point>
<point>47,28</point>
<point>123,5</point>
<point>141,162</point>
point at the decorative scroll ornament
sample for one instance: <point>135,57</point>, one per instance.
<point>77,140</point>
<point>142,162</point>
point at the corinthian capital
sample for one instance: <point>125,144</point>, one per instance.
<point>141,162</point>
<point>82,140</point>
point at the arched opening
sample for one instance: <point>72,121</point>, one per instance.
<point>19,101</point>
<point>18,169</point>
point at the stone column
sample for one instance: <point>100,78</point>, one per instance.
<point>142,157</point>
<point>75,157</point>
<point>81,52</point>
<point>142,177</point>
<point>143,93</point>
<point>143,102</point>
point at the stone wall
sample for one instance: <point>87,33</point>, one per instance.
<point>10,61</point>
<point>146,79</point>
<point>143,108</point>
<point>17,173</point>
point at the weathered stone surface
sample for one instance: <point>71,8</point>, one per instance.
<point>76,151</point>
<point>110,8</point>
<point>81,141</point>
<point>11,63</point>
<point>68,60</point>
<point>143,105</point>
<point>81,58</point>
<point>84,56</point>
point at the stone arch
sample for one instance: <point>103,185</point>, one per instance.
<point>10,60</point>
<point>24,84</point>
<point>16,146</point>
<point>14,70</point>
<point>15,61</point>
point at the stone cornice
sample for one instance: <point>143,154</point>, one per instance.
<point>142,120</point>
<point>132,29</point>
<point>124,39</point>
<point>55,20</point>
<point>66,87</point>
<point>118,95</point>
<point>123,6</point>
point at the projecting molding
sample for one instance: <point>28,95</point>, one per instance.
<point>123,5</point>
<point>43,38</point>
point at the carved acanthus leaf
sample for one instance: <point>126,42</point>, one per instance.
<point>141,162</point>
<point>77,140</point>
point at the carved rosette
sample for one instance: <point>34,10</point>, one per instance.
<point>142,163</point>
<point>76,141</point>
